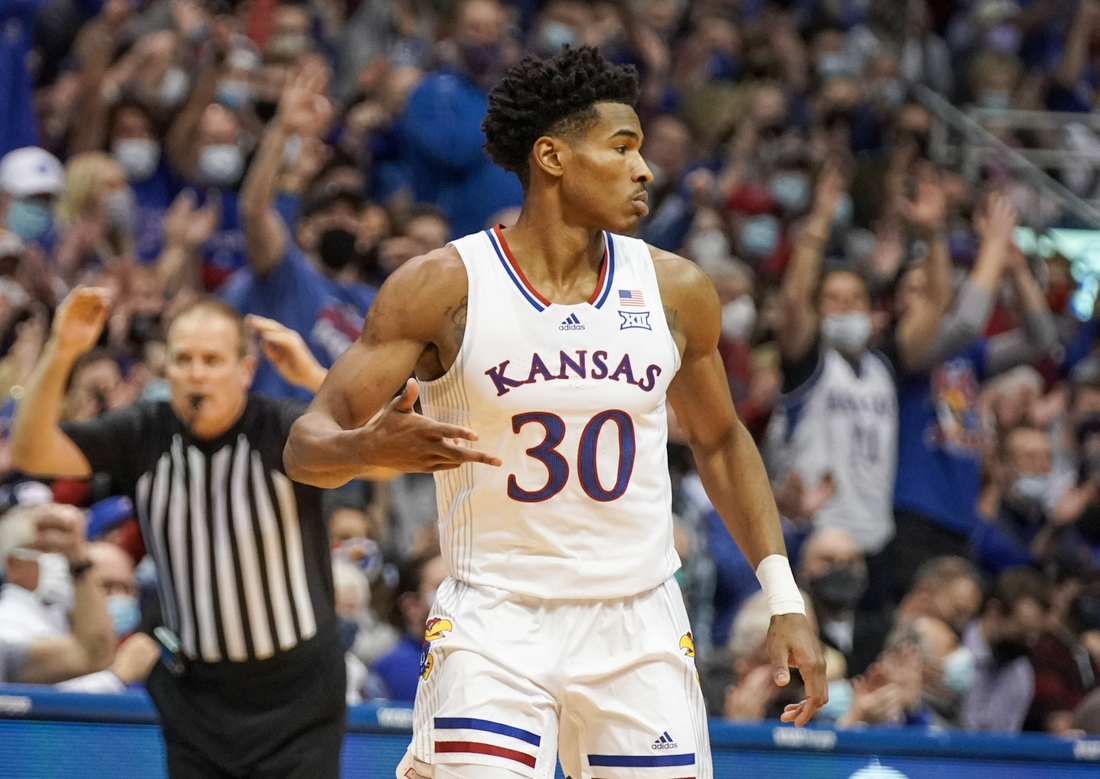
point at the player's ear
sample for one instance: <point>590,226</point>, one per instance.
<point>547,154</point>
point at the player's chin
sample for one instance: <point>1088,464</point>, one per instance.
<point>626,224</point>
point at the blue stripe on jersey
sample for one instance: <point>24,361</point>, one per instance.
<point>610,268</point>
<point>468,723</point>
<point>507,269</point>
<point>630,761</point>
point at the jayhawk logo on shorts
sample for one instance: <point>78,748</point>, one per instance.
<point>435,629</point>
<point>687,645</point>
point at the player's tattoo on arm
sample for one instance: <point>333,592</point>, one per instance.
<point>458,320</point>
<point>673,319</point>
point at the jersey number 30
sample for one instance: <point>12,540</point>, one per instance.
<point>558,467</point>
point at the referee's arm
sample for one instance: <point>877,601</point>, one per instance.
<point>38,445</point>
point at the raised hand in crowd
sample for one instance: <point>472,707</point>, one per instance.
<point>186,229</point>
<point>288,353</point>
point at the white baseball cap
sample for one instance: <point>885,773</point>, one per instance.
<point>31,171</point>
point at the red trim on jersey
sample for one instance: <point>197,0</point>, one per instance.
<point>530,287</point>
<point>479,748</point>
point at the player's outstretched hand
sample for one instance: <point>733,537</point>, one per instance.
<point>401,439</point>
<point>793,644</point>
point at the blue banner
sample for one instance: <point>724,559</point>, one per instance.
<point>45,733</point>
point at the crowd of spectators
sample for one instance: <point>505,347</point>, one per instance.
<point>288,156</point>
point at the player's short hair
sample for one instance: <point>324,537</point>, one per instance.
<point>211,305</point>
<point>554,96</point>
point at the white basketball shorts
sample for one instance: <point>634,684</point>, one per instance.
<point>609,687</point>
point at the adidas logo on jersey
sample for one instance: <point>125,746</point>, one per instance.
<point>664,742</point>
<point>571,323</point>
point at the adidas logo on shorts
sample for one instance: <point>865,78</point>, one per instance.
<point>571,323</point>
<point>664,742</point>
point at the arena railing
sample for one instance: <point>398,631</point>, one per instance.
<point>46,733</point>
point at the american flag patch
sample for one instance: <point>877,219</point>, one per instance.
<point>631,297</point>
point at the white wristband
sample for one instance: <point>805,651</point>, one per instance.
<point>777,581</point>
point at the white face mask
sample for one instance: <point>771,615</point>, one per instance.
<point>174,87</point>
<point>738,318</point>
<point>1032,486</point>
<point>709,246</point>
<point>118,207</point>
<point>138,157</point>
<point>55,583</point>
<point>221,165</point>
<point>848,333</point>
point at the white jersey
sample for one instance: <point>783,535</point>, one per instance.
<point>572,400</point>
<point>844,421</point>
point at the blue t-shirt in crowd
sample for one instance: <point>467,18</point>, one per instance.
<point>152,198</point>
<point>224,252</point>
<point>440,142</point>
<point>328,315</point>
<point>939,440</point>
<point>399,668</point>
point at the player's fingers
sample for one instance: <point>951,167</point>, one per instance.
<point>805,713</point>
<point>779,652</point>
<point>817,687</point>
<point>407,399</point>
<point>451,431</point>
<point>790,712</point>
<point>461,454</point>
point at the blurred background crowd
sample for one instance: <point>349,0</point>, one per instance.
<point>788,139</point>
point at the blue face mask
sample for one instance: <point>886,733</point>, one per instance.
<point>348,629</point>
<point>995,101</point>
<point>760,235</point>
<point>958,670</point>
<point>790,190</point>
<point>840,700</point>
<point>29,220</point>
<point>125,614</point>
<point>721,65</point>
<point>842,213</point>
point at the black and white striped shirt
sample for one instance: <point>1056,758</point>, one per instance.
<point>241,551</point>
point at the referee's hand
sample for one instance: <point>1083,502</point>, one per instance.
<point>401,439</point>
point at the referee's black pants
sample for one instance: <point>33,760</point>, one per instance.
<point>280,718</point>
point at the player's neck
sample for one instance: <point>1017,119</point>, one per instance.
<point>552,251</point>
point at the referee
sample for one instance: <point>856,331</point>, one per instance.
<point>241,552</point>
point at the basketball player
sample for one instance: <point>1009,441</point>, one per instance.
<point>556,342</point>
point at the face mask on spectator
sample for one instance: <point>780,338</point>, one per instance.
<point>265,109</point>
<point>125,614</point>
<point>760,235</point>
<point>839,588</point>
<point>840,700</point>
<point>890,92</point>
<point>174,87</point>
<point>29,220</point>
<point>738,318</point>
<point>481,60</point>
<point>842,212</point>
<point>138,157</point>
<point>289,45</point>
<point>348,630</point>
<point>832,64</point>
<point>848,332</point>
<point>336,248</point>
<point>221,165</point>
<point>554,35</point>
<point>709,246</point>
<point>1032,486</point>
<point>118,208</point>
<point>790,190</point>
<point>721,65</point>
<point>958,670</point>
<point>1006,650</point>
<point>233,94</point>
<point>995,101</point>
